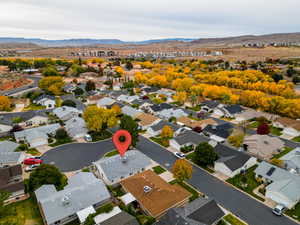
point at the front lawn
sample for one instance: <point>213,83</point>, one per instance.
<point>233,220</point>
<point>62,141</point>
<point>162,141</point>
<point>296,139</point>
<point>158,170</point>
<point>195,108</point>
<point>112,153</point>
<point>253,125</point>
<point>34,107</point>
<point>294,213</point>
<point>195,193</point>
<point>275,131</point>
<point>191,158</point>
<point>99,136</point>
<point>22,213</point>
<point>33,151</point>
<point>246,182</point>
<point>285,150</point>
<point>194,118</point>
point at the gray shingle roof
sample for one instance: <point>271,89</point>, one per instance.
<point>7,118</point>
<point>130,111</point>
<point>8,146</point>
<point>190,137</point>
<point>11,157</point>
<point>114,168</point>
<point>65,110</point>
<point>83,191</point>
<point>163,123</point>
<point>33,133</point>
<point>122,218</point>
<point>75,126</point>
<point>105,101</point>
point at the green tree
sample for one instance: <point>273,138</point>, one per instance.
<point>90,86</point>
<point>205,154</point>
<point>129,124</point>
<point>50,71</point>
<point>52,84</point>
<point>46,174</point>
<point>61,133</point>
<point>69,103</point>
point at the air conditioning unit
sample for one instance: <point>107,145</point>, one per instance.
<point>147,189</point>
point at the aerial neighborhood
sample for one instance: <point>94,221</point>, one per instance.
<point>208,139</point>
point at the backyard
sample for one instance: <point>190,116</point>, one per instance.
<point>246,182</point>
<point>158,170</point>
<point>22,213</point>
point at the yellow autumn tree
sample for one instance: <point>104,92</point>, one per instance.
<point>167,132</point>
<point>182,170</point>
<point>117,109</point>
<point>119,70</point>
<point>99,118</point>
<point>52,84</point>
<point>180,97</point>
<point>5,103</point>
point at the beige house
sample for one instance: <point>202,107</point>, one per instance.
<point>263,146</point>
<point>147,120</point>
<point>186,121</point>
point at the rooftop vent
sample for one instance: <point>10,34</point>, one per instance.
<point>65,200</point>
<point>271,171</point>
<point>147,189</point>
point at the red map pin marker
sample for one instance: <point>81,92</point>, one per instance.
<point>121,145</point>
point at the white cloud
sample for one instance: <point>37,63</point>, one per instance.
<point>145,19</point>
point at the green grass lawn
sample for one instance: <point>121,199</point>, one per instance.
<point>251,182</point>
<point>22,213</point>
<point>286,150</point>
<point>296,139</point>
<point>294,213</point>
<point>116,191</point>
<point>160,141</point>
<point>34,107</point>
<point>191,158</point>
<point>112,153</point>
<point>62,141</point>
<point>275,131</point>
<point>195,108</point>
<point>253,125</point>
<point>233,220</point>
<point>158,170</point>
<point>99,136</point>
<point>195,194</point>
<point>33,151</point>
<point>194,118</point>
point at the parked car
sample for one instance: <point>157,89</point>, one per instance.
<point>179,155</point>
<point>31,167</point>
<point>88,138</point>
<point>32,161</point>
<point>278,210</point>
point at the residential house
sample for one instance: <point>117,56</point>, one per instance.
<point>228,111</point>
<point>79,105</point>
<point>232,162</point>
<point>291,128</point>
<point>218,133</point>
<point>91,100</point>
<point>130,111</point>
<point>284,186</point>
<point>142,104</point>
<point>149,90</point>
<point>81,197</point>
<point>105,102</point>
<point>70,87</point>
<point>202,211</point>
<point>127,98</point>
<point>186,121</point>
<point>116,168</point>
<point>154,195</point>
<point>115,217</point>
<point>21,102</point>
<point>249,114</point>
<point>45,100</point>
<point>263,146</point>
<point>155,109</point>
<point>155,129</point>
<point>38,136</point>
<point>11,181</point>
<point>8,156</point>
<point>66,112</point>
<point>169,113</point>
<point>146,120</point>
<point>291,160</point>
<point>76,127</point>
<point>209,105</point>
<point>187,138</point>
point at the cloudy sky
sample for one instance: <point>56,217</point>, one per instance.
<point>146,19</point>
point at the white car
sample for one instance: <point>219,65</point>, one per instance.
<point>179,155</point>
<point>30,168</point>
<point>88,138</point>
<point>278,210</point>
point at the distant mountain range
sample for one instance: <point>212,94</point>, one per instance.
<point>83,42</point>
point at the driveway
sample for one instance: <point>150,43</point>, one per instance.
<point>75,156</point>
<point>247,208</point>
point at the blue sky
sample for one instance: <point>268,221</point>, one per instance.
<point>133,20</point>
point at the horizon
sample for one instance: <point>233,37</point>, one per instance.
<point>132,21</point>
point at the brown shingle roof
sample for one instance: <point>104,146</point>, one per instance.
<point>195,123</point>
<point>146,119</point>
<point>162,196</point>
<point>287,122</point>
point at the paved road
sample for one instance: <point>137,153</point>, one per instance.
<point>239,203</point>
<point>71,157</point>
<point>24,88</point>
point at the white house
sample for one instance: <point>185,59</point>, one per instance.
<point>65,112</point>
<point>36,121</point>
<point>105,102</point>
<point>45,100</point>
<point>76,127</point>
<point>291,128</point>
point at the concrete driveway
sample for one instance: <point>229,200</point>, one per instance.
<point>75,156</point>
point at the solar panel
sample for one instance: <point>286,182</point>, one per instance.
<point>271,171</point>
